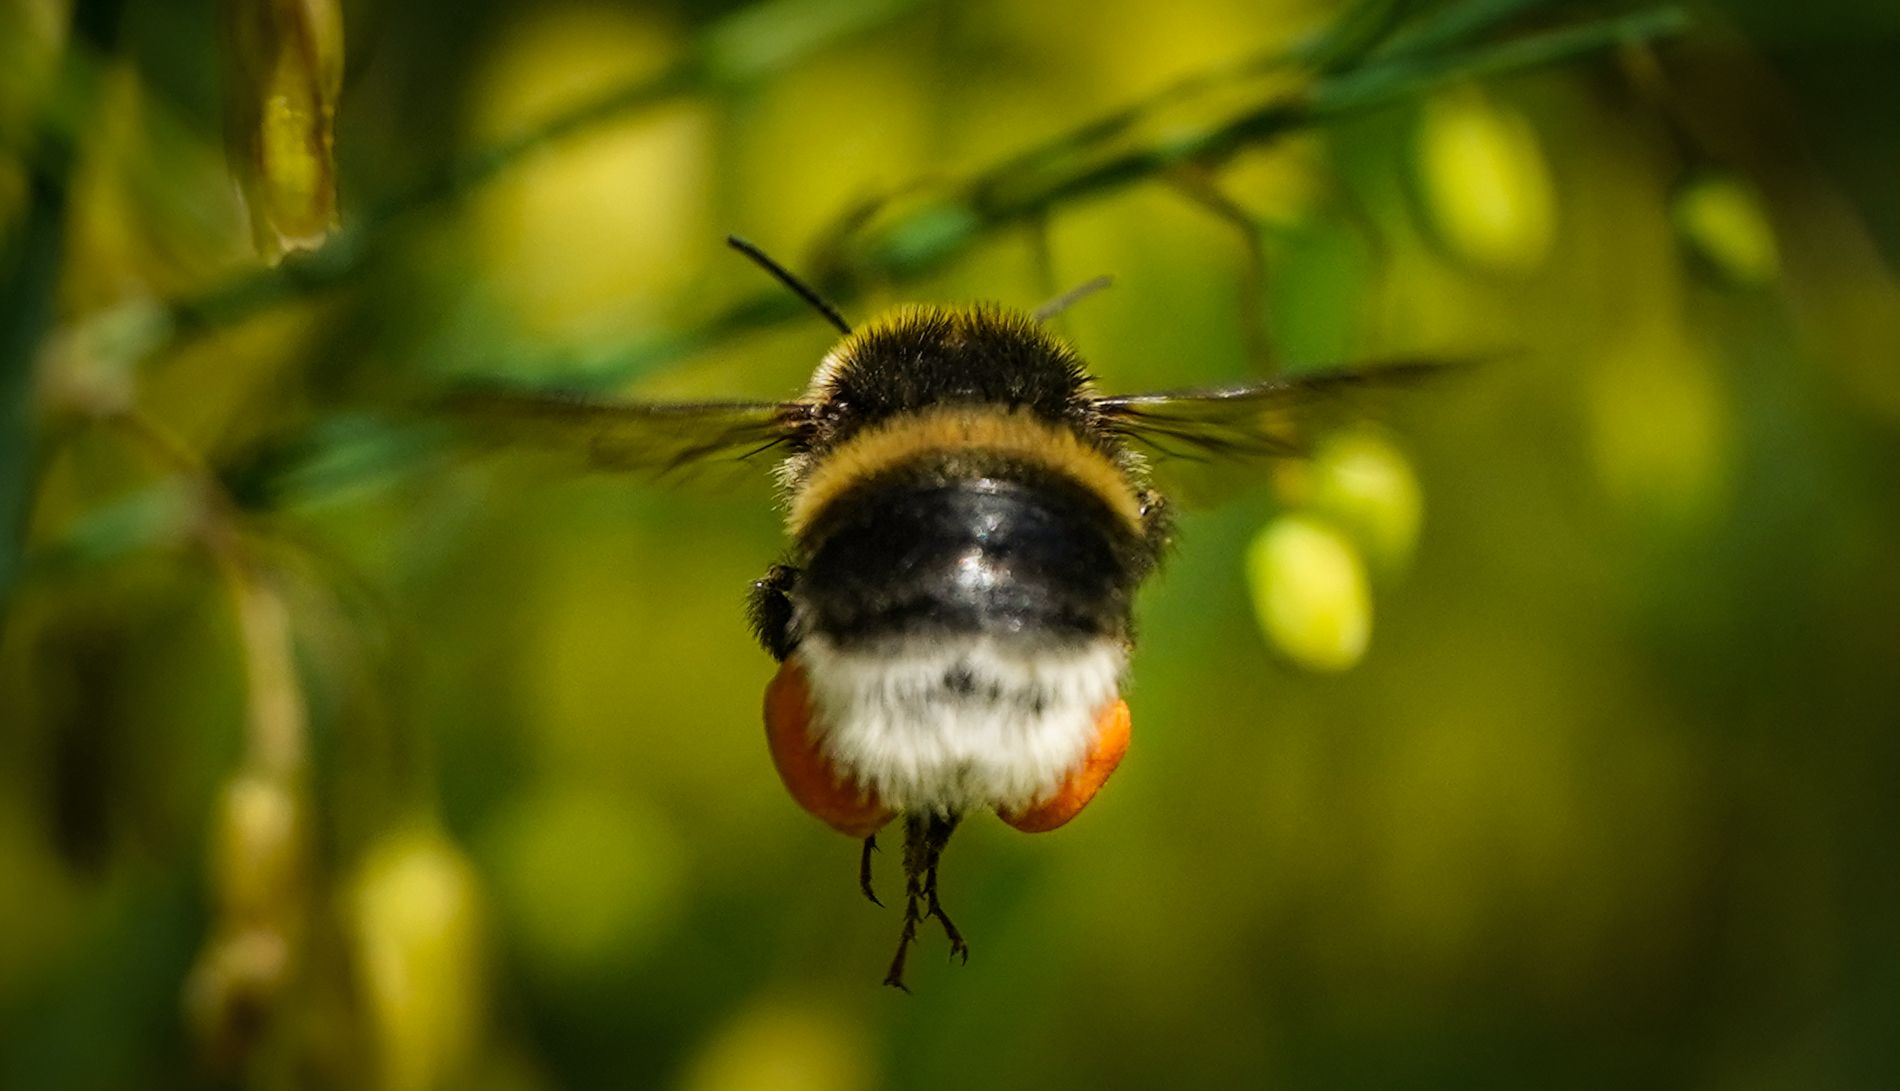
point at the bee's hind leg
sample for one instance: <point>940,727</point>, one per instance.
<point>916,828</point>
<point>936,836</point>
<point>924,838</point>
<point>864,870</point>
<point>769,608</point>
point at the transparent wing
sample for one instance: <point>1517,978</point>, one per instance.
<point>658,438</point>
<point>1208,442</point>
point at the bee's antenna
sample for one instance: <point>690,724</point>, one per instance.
<point>784,276</point>
<point>1070,298</point>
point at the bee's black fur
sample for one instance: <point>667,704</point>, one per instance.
<point>966,541</point>
<point>926,358</point>
<point>970,544</point>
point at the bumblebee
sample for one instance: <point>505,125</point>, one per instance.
<point>969,521</point>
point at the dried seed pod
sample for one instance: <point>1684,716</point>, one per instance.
<point>259,883</point>
<point>284,73</point>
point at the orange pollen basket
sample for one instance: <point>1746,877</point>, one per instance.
<point>809,776</point>
<point>1105,753</point>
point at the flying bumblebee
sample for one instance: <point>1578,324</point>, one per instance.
<point>969,522</point>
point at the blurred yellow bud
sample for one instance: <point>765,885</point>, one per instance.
<point>1484,182</point>
<point>780,1045</point>
<point>1310,592</point>
<point>584,877</point>
<point>257,852</point>
<point>285,73</point>
<point>1365,485</point>
<point>1719,216</point>
<point>593,233</point>
<point>415,922</point>
<point>1660,428</point>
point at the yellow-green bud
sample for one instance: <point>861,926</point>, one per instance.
<point>1719,216</point>
<point>1661,427</point>
<point>415,920</point>
<point>786,1045</point>
<point>1365,484</point>
<point>537,228</point>
<point>257,852</point>
<point>1310,592</point>
<point>584,877</point>
<point>1484,181</point>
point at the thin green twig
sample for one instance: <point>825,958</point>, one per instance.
<point>1372,59</point>
<point>1025,189</point>
<point>29,280</point>
<point>1379,51</point>
<point>743,49</point>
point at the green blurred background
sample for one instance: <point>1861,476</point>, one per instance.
<point>332,754</point>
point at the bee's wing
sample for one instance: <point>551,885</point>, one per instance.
<point>657,438</point>
<point>1204,442</point>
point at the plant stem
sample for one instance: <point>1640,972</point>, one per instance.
<point>29,284</point>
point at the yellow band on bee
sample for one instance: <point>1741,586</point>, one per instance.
<point>1016,435</point>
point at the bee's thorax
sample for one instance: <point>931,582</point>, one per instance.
<point>921,357</point>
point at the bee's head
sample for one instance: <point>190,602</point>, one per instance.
<point>923,357</point>
<point>918,357</point>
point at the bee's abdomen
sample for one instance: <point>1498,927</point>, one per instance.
<point>974,553</point>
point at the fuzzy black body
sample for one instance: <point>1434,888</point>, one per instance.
<point>962,539</point>
<point>955,546</point>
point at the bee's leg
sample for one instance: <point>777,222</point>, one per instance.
<point>1157,520</point>
<point>916,833</point>
<point>769,609</point>
<point>864,870</point>
<point>936,837</point>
